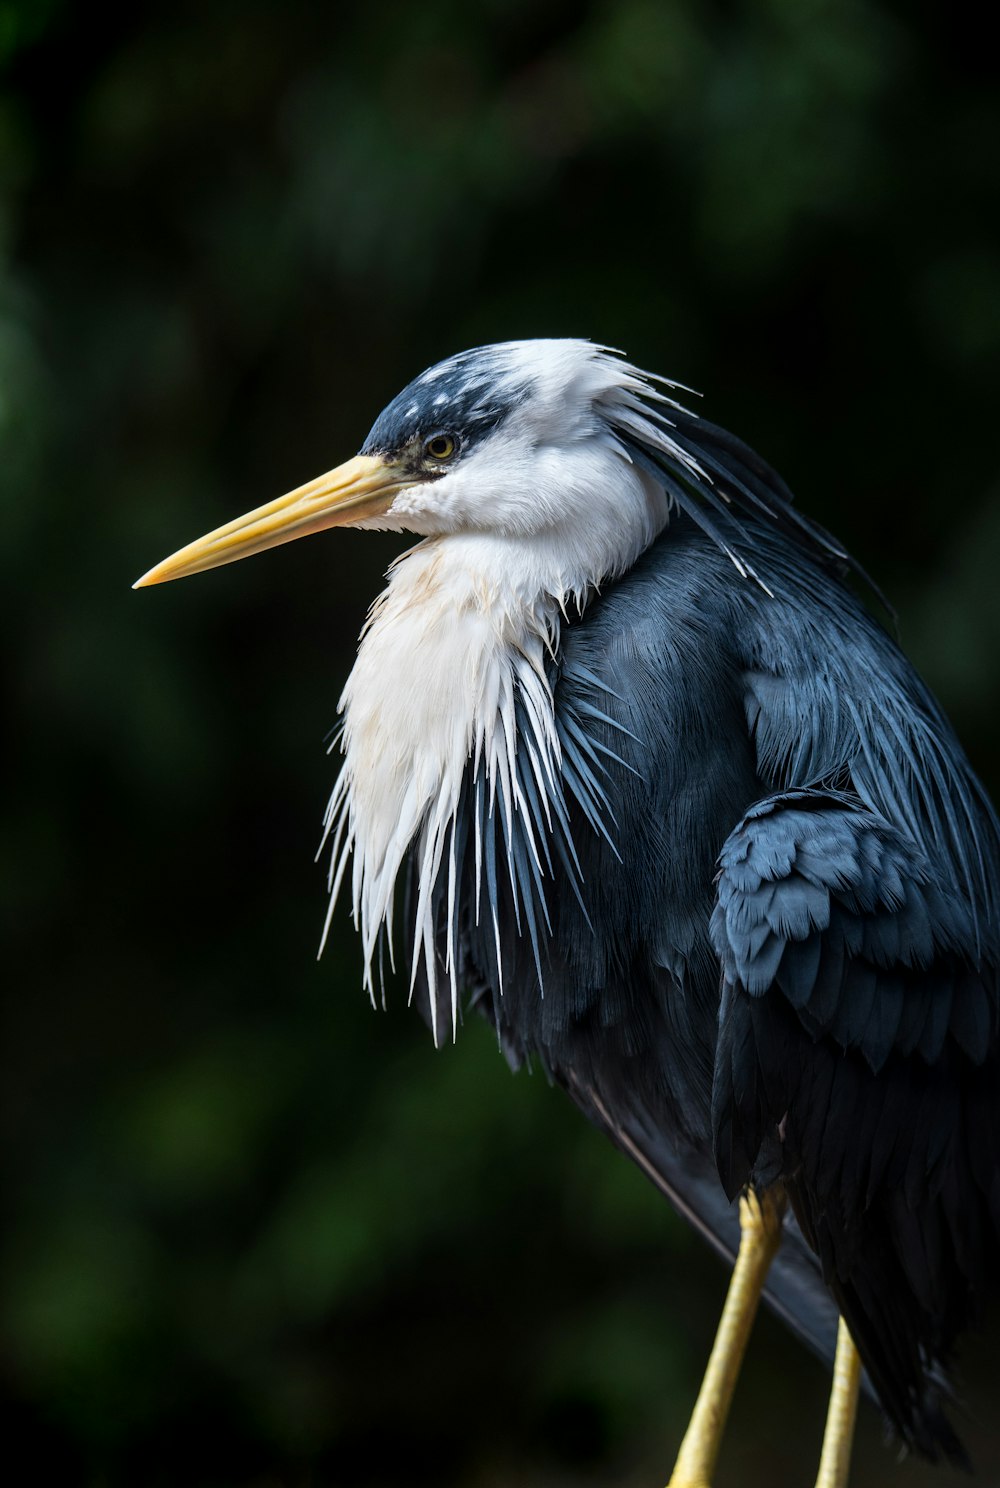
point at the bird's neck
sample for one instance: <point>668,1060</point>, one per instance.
<point>453,646</point>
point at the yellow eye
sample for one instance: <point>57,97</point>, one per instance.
<point>440,446</point>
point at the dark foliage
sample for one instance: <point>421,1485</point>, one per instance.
<point>255,1233</point>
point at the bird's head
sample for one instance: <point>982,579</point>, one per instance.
<point>522,440</point>
<point>559,448</point>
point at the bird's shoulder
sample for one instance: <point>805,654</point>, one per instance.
<point>791,667</point>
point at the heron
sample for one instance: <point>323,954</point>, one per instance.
<point>630,767</point>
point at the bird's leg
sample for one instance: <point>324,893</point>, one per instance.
<point>760,1235</point>
<point>835,1461</point>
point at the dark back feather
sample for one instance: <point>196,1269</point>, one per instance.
<point>686,694</point>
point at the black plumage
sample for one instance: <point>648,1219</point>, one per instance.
<point>777,812</point>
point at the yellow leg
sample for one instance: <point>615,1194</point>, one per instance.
<point>835,1462</point>
<point>760,1235</point>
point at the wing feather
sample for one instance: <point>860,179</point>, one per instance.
<point>862,1034</point>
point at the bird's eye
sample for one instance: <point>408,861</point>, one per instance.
<point>440,446</point>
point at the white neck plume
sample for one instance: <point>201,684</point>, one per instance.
<point>456,642</point>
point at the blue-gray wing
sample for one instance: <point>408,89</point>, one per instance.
<point>857,1060</point>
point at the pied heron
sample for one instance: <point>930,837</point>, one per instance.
<point>639,778</point>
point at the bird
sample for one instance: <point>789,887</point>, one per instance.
<point>633,766</point>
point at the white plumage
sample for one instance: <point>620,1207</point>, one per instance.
<point>525,528</point>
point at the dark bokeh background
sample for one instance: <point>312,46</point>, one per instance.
<point>257,1234</point>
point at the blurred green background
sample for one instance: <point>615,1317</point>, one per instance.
<point>257,1234</point>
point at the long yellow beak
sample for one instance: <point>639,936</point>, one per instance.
<point>361,488</point>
